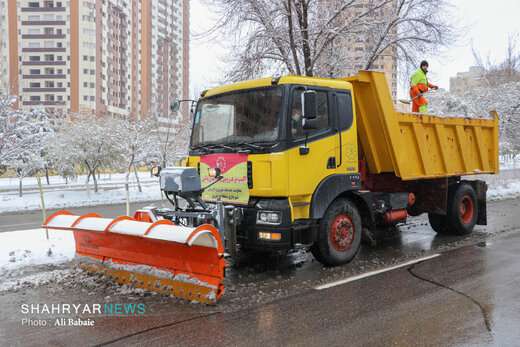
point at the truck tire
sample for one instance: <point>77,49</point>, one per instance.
<point>462,212</point>
<point>438,222</point>
<point>339,235</point>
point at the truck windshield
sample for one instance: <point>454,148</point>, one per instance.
<point>242,117</point>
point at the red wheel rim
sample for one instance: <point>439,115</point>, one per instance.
<point>466,209</point>
<point>341,233</point>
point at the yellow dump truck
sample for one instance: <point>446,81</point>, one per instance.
<point>317,162</point>
<point>280,163</point>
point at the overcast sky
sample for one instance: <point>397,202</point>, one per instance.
<point>487,25</point>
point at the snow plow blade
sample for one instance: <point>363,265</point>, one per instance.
<point>162,257</point>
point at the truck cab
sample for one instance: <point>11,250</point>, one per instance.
<point>289,163</point>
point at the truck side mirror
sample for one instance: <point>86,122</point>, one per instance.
<point>174,107</point>
<point>310,107</point>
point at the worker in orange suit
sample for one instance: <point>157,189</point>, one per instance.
<point>419,85</point>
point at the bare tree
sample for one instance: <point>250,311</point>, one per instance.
<point>305,37</point>
<point>507,70</point>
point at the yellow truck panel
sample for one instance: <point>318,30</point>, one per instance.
<point>419,146</point>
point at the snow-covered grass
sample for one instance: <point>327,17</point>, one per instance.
<point>506,191</point>
<point>74,198</point>
<point>11,183</point>
<point>31,247</point>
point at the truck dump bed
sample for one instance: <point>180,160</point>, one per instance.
<point>419,146</point>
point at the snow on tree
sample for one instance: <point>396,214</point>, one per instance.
<point>301,36</point>
<point>62,162</point>
<point>134,144</point>
<point>89,142</point>
<point>22,138</point>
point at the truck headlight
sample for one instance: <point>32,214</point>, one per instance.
<point>269,217</point>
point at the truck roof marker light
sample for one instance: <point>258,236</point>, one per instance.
<point>203,93</point>
<point>275,80</point>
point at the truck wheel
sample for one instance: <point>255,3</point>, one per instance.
<point>438,222</point>
<point>339,236</point>
<point>462,210</point>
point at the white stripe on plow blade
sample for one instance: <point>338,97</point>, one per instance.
<point>373,273</point>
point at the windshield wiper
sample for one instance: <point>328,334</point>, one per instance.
<point>211,146</point>
<point>247,144</point>
<point>258,145</point>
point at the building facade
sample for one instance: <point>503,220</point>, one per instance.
<point>347,56</point>
<point>124,58</point>
<point>468,80</point>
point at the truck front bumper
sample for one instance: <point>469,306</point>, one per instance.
<point>285,236</point>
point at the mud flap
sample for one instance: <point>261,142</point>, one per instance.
<point>480,188</point>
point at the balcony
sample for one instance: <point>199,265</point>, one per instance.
<point>44,103</point>
<point>43,9</point>
<point>44,89</point>
<point>45,63</point>
<point>44,49</point>
<point>44,22</point>
<point>43,76</point>
<point>43,36</point>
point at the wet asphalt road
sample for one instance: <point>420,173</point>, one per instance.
<point>469,295</point>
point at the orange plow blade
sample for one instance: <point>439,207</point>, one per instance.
<point>160,256</point>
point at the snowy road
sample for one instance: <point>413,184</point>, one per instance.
<point>467,294</point>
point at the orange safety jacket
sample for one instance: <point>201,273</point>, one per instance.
<point>419,85</point>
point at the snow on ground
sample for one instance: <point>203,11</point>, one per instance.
<point>31,247</point>
<point>28,259</point>
<point>74,198</point>
<point>30,182</point>
<point>506,191</point>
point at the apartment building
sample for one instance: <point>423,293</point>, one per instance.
<point>464,81</point>
<point>125,58</point>
<point>4,48</point>
<point>348,56</point>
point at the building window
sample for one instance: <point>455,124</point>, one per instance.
<point>34,71</point>
<point>33,45</point>
<point>34,85</point>
<point>34,58</point>
<point>35,98</point>
<point>33,4</point>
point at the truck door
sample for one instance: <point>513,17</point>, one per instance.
<point>313,155</point>
<point>316,154</point>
